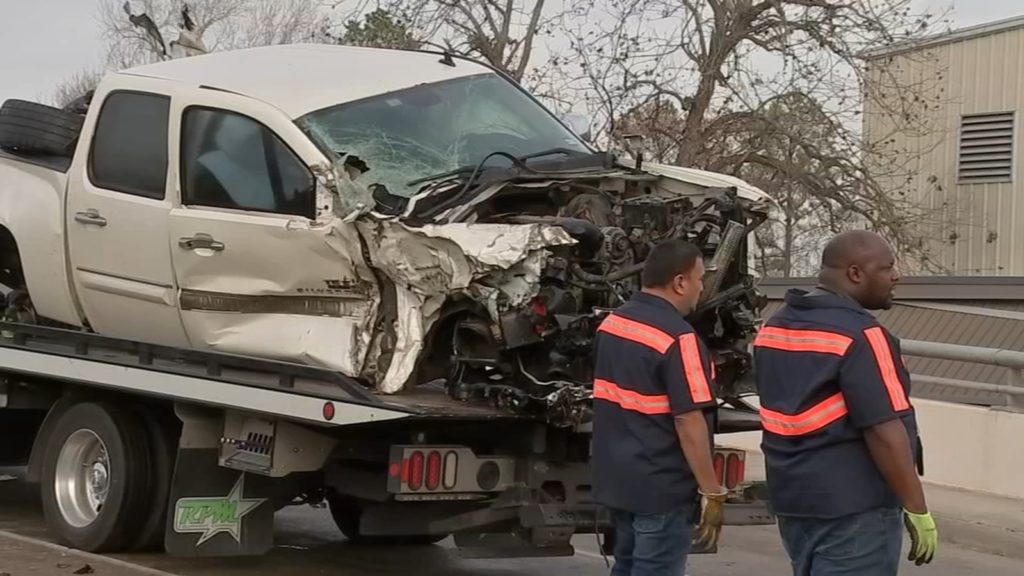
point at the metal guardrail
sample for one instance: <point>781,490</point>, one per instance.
<point>1012,360</point>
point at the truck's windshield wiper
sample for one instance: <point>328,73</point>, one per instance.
<point>472,167</point>
<point>549,152</point>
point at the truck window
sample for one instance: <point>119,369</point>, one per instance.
<point>129,147</point>
<point>232,161</point>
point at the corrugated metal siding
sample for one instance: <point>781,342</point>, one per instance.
<point>916,323</point>
<point>1008,305</point>
<point>972,224</point>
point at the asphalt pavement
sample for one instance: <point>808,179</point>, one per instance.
<point>307,543</point>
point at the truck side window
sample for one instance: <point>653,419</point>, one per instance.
<point>129,148</point>
<point>232,161</point>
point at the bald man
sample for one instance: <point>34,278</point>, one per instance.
<point>839,433</point>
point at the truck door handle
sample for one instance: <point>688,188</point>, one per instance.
<point>200,241</point>
<point>90,216</point>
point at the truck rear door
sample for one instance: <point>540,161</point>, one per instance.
<point>259,275</point>
<point>117,218</point>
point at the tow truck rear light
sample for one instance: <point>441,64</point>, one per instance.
<point>445,472</point>
<point>720,467</point>
<point>416,470</point>
<point>433,470</point>
<point>730,467</point>
<point>735,470</point>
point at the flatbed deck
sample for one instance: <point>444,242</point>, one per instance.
<point>217,378</point>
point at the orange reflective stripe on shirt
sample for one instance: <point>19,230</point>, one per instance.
<point>636,332</point>
<point>811,420</point>
<point>693,367</point>
<point>800,340</point>
<point>887,367</point>
<point>629,400</point>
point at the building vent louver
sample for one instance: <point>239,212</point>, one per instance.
<point>986,148</point>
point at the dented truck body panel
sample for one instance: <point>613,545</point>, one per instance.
<point>493,279</point>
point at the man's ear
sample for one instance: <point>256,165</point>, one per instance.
<point>680,283</point>
<point>855,274</point>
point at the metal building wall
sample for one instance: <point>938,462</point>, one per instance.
<point>970,227</point>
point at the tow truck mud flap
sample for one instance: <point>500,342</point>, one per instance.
<point>214,511</point>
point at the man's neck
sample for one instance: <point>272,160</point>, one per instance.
<point>828,288</point>
<point>657,294</point>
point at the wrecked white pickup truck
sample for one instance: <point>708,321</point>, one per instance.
<point>395,216</point>
<point>298,273</point>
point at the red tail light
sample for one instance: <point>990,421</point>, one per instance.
<point>735,470</point>
<point>416,470</point>
<point>720,468</point>
<point>433,470</point>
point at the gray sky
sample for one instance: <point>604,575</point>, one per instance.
<point>45,41</point>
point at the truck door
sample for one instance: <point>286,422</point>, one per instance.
<point>117,220</point>
<point>259,275</point>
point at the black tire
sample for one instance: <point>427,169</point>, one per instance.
<point>123,435</point>
<point>347,511</point>
<point>31,128</point>
<point>163,433</point>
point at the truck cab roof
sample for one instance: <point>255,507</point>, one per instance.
<point>301,78</point>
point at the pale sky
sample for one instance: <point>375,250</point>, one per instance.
<point>45,41</point>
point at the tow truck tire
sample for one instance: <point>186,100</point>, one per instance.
<point>96,477</point>
<point>33,128</point>
<point>347,511</point>
<point>163,443</point>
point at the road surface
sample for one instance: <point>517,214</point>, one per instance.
<point>308,544</point>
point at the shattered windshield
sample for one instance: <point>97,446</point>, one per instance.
<point>435,128</point>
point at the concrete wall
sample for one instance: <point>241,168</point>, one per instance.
<point>965,447</point>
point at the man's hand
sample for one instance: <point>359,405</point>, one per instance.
<point>706,534</point>
<point>695,439</point>
<point>924,538</point>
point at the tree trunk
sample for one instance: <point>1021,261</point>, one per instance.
<point>787,245</point>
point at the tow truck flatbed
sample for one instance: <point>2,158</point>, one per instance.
<point>212,427</point>
<point>271,387</point>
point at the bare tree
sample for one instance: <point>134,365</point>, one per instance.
<point>715,84</point>
<point>502,32</point>
<point>143,31</point>
<point>78,85</point>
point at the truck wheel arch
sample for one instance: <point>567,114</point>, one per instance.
<point>10,260</point>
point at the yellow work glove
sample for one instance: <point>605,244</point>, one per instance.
<point>924,538</point>
<point>706,533</point>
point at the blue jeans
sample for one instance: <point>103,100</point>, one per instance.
<point>652,544</point>
<point>864,544</point>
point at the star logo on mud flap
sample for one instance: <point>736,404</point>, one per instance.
<point>210,516</point>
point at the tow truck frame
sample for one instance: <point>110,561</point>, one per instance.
<point>246,436</point>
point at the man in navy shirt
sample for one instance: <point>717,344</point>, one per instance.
<point>653,413</point>
<point>839,433</point>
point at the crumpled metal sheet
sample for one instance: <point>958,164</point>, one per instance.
<point>327,342</point>
<point>429,264</point>
<point>496,264</point>
<point>305,296</point>
<point>498,245</point>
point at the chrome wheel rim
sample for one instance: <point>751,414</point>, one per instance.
<point>82,479</point>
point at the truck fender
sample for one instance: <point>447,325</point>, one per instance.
<point>32,213</point>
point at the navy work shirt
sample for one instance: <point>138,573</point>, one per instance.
<point>650,366</point>
<point>826,370</point>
